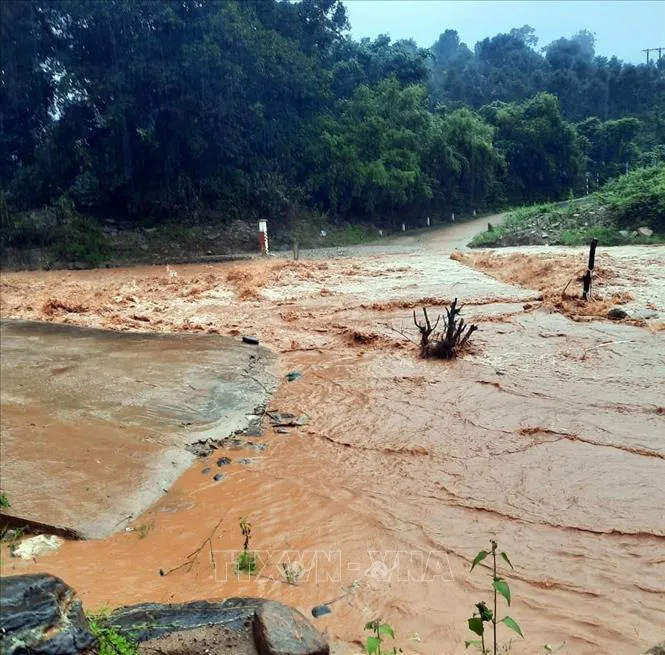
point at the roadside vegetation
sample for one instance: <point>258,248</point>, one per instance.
<point>627,210</point>
<point>109,640</point>
<point>282,115</point>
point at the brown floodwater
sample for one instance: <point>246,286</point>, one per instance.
<point>548,436</point>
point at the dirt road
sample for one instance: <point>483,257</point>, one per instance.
<point>548,437</point>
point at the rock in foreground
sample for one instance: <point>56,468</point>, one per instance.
<point>42,614</point>
<point>280,630</point>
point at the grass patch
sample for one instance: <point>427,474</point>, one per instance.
<point>110,641</point>
<point>614,215</point>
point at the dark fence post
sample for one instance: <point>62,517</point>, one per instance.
<point>586,280</point>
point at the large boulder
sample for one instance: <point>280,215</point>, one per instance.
<point>153,620</point>
<point>280,630</point>
<point>42,614</point>
<point>247,626</point>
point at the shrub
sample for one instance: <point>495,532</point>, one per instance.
<point>638,198</point>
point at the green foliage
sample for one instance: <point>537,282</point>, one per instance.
<point>4,501</point>
<point>638,199</point>
<point>246,559</point>
<point>380,631</point>
<point>81,239</point>
<point>541,148</point>
<point>246,562</point>
<point>232,110</point>
<point>483,614</point>
<point>611,215</point>
<point>109,640</point>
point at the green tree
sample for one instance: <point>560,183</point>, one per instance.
<point>542,150</point>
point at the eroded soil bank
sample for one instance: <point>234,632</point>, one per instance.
<point>548,436</point>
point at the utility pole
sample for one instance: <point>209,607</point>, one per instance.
<point>650,50</point>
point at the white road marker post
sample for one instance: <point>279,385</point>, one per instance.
<point>263,237</point>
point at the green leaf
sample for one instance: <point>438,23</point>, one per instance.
<point>387,629</point>
<point>476,625</point>
<point>502,587</point>
<point>373,644</point>
<point>505,557</point>
<point>512,624</point>
<point>370,625</point>
<point>474,643</point>
<point>479,558</point>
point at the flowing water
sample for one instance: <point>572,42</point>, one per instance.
<point>548,436</point>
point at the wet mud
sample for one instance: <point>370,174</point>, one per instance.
<point>548,436</point>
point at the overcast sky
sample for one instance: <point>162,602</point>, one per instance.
<point>622,27</point>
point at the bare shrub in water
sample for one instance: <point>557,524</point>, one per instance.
<point>447,343</point>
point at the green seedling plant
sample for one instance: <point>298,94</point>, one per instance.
<point>483,614</point>
<point>4,501</point>
<point>109,640</point>
<point>379,632</point>
<point>246,559</point>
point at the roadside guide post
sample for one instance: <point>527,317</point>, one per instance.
<point>263,237</point>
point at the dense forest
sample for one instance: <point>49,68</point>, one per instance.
<point>219,110</point>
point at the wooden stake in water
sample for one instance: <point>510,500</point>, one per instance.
<point>586,280</point>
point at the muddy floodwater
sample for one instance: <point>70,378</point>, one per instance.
<point>548,435</point>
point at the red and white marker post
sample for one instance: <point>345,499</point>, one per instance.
<point>263,237</point>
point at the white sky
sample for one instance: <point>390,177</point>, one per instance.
<point>622,27</point>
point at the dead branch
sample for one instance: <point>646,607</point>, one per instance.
<point>401,332</point>
<point>193,556</point>
<point>426,330</point>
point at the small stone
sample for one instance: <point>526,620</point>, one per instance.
<point>244,460</point>
<point>320,610</point>
<point>281,430</point>
<point>280,630</point>
<point>645,231</point>
<point>544,235</point>
<point>617,314</point>
<point>223,461</point>
<point>218,477</point>
<point>251,340</point>
<point>206,470</point>
<point>293,375</point>
<point>658,649</point>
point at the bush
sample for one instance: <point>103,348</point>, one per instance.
<point>78,238</point>
<point>638,199</point>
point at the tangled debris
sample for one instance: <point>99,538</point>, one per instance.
<point>447,343</point>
